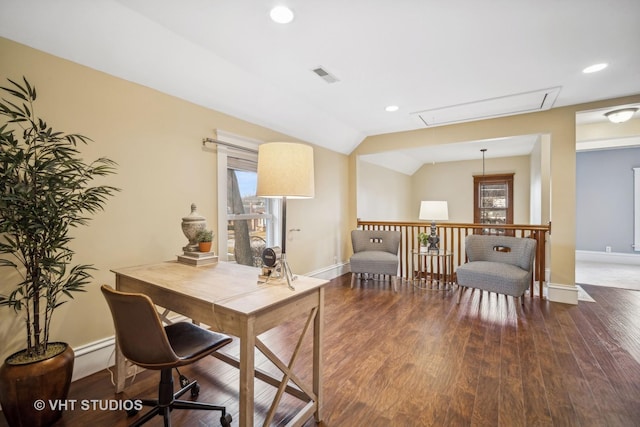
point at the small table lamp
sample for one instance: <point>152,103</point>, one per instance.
<point>434,211</point>
<point>285,170</point>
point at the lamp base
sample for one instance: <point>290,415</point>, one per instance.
<point>278,274</point>
<point>433,239</point>
<point>433,243</point>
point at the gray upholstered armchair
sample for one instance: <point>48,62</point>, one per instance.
<point>501,264</point>
<point>375,252</point>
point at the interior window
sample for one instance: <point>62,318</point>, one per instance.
<point>493,201</point>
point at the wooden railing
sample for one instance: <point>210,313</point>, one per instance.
<point>452,237</point>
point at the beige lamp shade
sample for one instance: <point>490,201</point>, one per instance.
<point>434,211</point>
<point>285,169</point>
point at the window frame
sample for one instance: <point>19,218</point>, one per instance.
<point>230,148</point>
<point>493,179</point>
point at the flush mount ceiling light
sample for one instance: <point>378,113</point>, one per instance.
<point>595,68</point>
<point>281,14</point>
<point>621,115</point>
<point>391,108</point>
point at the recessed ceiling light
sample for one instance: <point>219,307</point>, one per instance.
<point>391,108</point>
<point>281,14</point>
<point>595,68</point>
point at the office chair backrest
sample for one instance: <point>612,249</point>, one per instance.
<point>140,332</point>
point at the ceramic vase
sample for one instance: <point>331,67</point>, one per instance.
<point>191,226</point>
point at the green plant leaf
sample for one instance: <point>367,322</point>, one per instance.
<point>46,188</point>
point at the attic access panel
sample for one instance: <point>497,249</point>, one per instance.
<point>509,105</point>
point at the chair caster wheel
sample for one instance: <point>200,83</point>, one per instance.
<point>195,390</point>
<point>131,412</point>
<point>184,381</point>
<point>225,421</point>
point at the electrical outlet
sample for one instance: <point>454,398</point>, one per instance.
<point>607,249</point>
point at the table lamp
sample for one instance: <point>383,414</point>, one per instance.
<point>285,170</point>
<point>433,211</point>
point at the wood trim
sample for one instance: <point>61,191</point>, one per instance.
<point>492,179</point>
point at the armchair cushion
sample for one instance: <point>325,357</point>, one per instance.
<point>375,252</point>
<point>377,262</point>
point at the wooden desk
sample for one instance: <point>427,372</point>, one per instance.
<point>227,297</point>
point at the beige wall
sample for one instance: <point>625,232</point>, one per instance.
<point>386,195</point>
<point>323,239</point>
<point>156,140</point>
<point>453,182</point>
<point>606,130</point>
<point>383,194</point>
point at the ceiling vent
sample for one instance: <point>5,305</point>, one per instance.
<point>325,75</point>
<point>527,102</point>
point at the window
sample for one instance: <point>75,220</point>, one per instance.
<point>493,201</point>
<point>246,223</point>
<point>248,218</point>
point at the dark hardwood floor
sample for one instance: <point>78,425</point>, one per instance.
<point>416,358</point>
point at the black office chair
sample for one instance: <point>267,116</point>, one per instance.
<point>147,343</point>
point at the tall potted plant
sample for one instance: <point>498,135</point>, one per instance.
<point>46,189</point>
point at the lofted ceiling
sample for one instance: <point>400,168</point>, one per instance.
<point>438,61</point>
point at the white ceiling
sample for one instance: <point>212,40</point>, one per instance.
<point>418,54</point>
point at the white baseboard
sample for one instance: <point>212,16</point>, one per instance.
<point>608,257</point>
<point>98,355</point>
<point>93,357</point>
<point>562,293</point>
<point>566,294</point>
<point>330,272</point>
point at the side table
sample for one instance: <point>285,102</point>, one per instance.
<point>435,269</point>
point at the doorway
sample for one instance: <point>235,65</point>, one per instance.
<point>607,213</point>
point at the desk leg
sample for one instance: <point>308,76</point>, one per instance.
<point>318,351</point>
<point>120,362</point>
<point>247,371</point>
<point>120,369</point>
